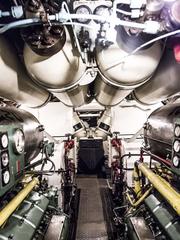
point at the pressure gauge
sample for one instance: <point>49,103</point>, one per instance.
<point>4,159</point>
<point>102,11</point>
<point>177,131</point>
<point>6,177</point>
<point>176,161</point>
<point>4,140</point>
<point>176,146</point>
<point>19,141</point>
<point>84,10</point>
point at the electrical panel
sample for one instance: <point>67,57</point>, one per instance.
<point>11,156</point>
<point>176,148</point>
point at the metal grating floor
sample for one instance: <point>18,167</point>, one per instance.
<point>91,222</point>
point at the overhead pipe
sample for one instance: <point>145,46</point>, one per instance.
<point>58,68</point>
<point>163,84</point>
<point>15,84</point>
<point>120,72</point>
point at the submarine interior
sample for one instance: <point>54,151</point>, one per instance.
<point>89,119</point>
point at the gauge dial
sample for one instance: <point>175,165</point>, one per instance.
<point>5,159</point>
<point>4,140</point>
<point>19,141</point>
<point>84,10</point>
<point>176,161</point>
<point>176,146</point>
<point>6,177</point>
<point>102,11</point>
<point>177,131</point>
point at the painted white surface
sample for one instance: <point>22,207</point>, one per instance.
<point>55,117</point>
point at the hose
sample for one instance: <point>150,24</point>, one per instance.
<point>20,23</point>
<point>66,8</point>
<point>123,12</point>
<point>142,46</point>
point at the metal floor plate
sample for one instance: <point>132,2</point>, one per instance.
<point>91,223</point>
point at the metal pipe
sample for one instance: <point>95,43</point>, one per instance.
<point>157,158</point>
<point>136,178</point>
<point>140,200</point>
<point>162,187</point>
<point>16,201</point>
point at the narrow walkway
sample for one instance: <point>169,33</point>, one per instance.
<point>91,221</point>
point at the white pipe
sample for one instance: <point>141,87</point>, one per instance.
<point>20,23</point>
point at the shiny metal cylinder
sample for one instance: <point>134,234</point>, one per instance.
<point>107,94</point>
<point>158,130</point>
<point>60,73</point>
<point>15,83</point>
<point>164,83</point>
<point>120,72</point>
<point>32,129</point>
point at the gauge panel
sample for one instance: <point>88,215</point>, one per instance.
<point>4,140</point>
<point>12,161</point>
<point>177,131</point>
<point>19,141</point>
<point>176,161</point>
<point>176,148</point>
<point>5,177</point>
<point>4,159</point>
<point>103,11</point>
<point>84,10</point>
<point>176,145</point>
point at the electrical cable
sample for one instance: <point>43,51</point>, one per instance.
<point>78,24</point>
<point>19,23</point>
<point>66,8</point>
<point>142,46</point>
<point>123,12</point>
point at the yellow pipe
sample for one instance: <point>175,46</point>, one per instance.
<point>16,201</point>
<point>162,186</point>
<point>137,185</point>
<point>140,200</point>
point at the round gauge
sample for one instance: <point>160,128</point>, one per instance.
<point>4,140</point>
<point>176,146</point>
<point>4,159</point>
<point>84,10</point>
<point>6,177</point>
<point>176,161</point>
<point>177,131</point>
<point>102,11</point>
<point>19,141</point>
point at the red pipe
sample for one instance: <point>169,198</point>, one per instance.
<point>157,158</point>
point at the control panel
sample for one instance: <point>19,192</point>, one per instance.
<point>176,148</point>
<point>12,143</point>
